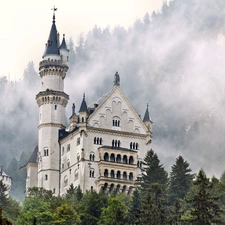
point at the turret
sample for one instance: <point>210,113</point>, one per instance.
<point>73,119</point>
<point>147,120</point>
<point>83,112</point>
<point>64,51</point>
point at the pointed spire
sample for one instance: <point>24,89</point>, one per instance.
<point>52,43</point>
<point>83,107</point>
<point>63,44</point>
<point>146,116</point>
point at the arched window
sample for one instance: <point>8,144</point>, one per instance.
<point>131,145</point>
<point>112,174</point>
<point>112,157</point>
<point>46,176</point>
<point>100,141</point>
<point>115,143</point>
<point>62,150</point>
<point>118,158</point>
<point>92,173</point>
<point>118,144</point>
<point>82,119</point>
<point>92,156</point>
<point>124,159</point>
<point>118,175</point>
<point>131,160</point>
<point>55,107</point>
<point>118,123</point>
<point>106,156</point>
<point>124,175</point>
<point>131,176</point>
<point>130,190</point>
<point>106,174</point>
<point>95,140</point>
<point>124,188</point>
<point>118,188</point>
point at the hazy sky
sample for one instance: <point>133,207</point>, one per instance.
<point>25,25</point>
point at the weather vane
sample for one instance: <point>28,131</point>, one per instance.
<point>54,9</point>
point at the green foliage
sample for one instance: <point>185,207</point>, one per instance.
<point>153,207</point>
<point>204,205</point>
<point>4,221</point>
<point>180,179</point>
<point>116,213</point>
<point>154,172</point>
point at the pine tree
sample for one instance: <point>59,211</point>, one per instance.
<point>3,195</point>
<point>180,179</point>
<point>153,172</point>
<point>153,211</point>
<point>205,209</point>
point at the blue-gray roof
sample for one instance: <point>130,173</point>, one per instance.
<point>83,107</point>
<point>63,44</point>
<point>33,157</point>
<point>52,43</point>
<point>146,116</point>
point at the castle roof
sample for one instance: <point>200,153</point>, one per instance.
<point>63,44</point>
<point>33,157</point>
<point>146,116</point>
<point>83,107</point>
<point>52,43</point>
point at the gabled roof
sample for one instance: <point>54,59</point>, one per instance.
<point>52,43</point>
<point>83,107</point>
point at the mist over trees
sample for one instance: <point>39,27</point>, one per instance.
<point>172,59</point>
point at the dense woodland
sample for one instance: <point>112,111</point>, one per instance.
<point>172,59</point>
<point>159,198</point>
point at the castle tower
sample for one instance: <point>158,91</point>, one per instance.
<point>52,101</point>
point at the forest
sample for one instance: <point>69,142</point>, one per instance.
<point>172,59</point>
<point>179,197</point>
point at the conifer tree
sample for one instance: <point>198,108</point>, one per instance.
<point>205,209</point>
<point>153,172</point>
<point>180,179</point>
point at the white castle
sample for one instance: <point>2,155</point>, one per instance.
<point>104,145</point>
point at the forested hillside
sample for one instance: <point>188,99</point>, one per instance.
<point>173,59</point>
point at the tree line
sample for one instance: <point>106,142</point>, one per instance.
<point>158,198</point>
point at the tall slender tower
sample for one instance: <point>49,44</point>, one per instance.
<point>52,101</point>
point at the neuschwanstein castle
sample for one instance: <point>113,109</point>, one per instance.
<point>105,143</point>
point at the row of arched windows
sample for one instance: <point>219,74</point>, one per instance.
<point>116,143</point>
<point>117,188</point>
<point>97,141</point>
<point>118,175</point>
<point>118,158</point>
<point>134,145</point>
<point>50,100</point>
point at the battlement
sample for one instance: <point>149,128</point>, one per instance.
<point>51,62</point>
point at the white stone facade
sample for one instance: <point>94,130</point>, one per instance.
<point>6,180</point>
<point>104,144</point>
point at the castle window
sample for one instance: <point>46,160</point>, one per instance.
<point>129,190</point>
<point>46,177</point>
<point>136,146</point>
<point>131,176</point>
<point>116,122</point>
<point>118,175</point>
<point>95,140</point>
<point>68,147</point>
<point>125,175</point>
<point>67,58</point>
<point>68,163</point>
<point>91,188</point>
<point>55,107</point>
<point>92,173</point>
<point>78,141</point>
<point>124,159</point>
<point>92,156</point>
<point>100,141</point>
<point>63,166</point>
<point>45,151</point>
<point>106,174</point>
<point>62,150</point>
<point>82,119</point>
<point>118,158</point>
<point>112,157</point>
<point>112,174</point>
<point>139,163</point>
<point>106,156</point>
<point>131,160</point>
<point>124,189</point>
<point>61,56</point>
